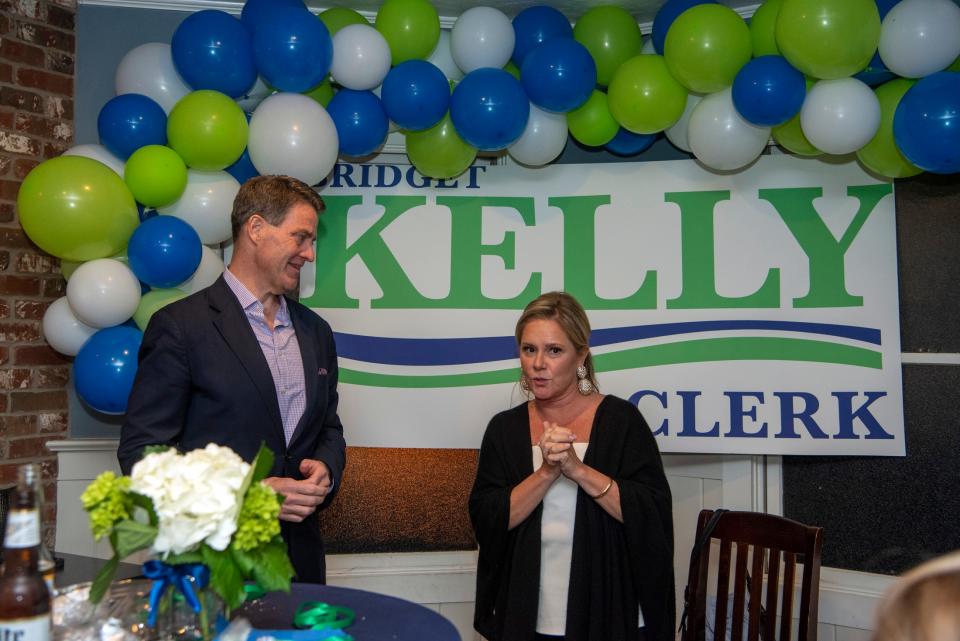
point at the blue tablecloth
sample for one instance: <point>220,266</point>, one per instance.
<point>379,617</point>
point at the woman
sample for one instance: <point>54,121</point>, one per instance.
<point>570,505</point>
<point>924,604</point>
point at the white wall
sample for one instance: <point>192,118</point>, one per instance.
<point>444,581</point>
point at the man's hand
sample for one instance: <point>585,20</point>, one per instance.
<point>301,498</point>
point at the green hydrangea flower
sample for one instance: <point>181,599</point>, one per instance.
<point>259,521</point>
<point>108,501</point>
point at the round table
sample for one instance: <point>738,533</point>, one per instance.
<point>379,617</point>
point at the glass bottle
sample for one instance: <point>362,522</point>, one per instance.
<point>24,597</point>
<point>47,563</point>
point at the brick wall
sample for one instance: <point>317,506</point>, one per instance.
<point>36,122</point>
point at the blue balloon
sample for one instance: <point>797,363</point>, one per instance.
<point>130,121</point>
<point>559,75</point>
<point>212,50</point>
<point>884,7</point>
<point>534,26</point>
<point>164,251</point>
<point>256,11</point>
<point>627,143</point>
<point>292,49</point>
<point>926,124</point>
<point>415,95</point>
<point>243,170</point>
<point>105,367</point>
<point>361,122</point>
<point>489,109</point>
<point>875,73</point>
<point>669,12</point>
<point>768,91</point>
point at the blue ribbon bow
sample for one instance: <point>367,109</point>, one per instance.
<point>182,577</point>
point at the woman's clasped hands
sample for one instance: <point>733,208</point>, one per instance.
<point>556,445</point>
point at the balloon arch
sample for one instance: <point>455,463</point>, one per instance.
<point>283,91</point>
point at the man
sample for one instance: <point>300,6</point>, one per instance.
<point>240,364</point>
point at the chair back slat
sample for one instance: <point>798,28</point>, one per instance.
<point>764,544</point>
<point>773,583</point>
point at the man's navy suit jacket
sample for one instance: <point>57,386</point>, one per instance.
<point>203,378</point>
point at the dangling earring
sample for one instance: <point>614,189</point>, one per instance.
<point>524,384</point>
<point>583,383</point>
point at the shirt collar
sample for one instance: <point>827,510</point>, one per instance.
<point>251,303</point>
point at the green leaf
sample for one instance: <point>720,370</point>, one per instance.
<point>262,463</point>
<point>273,570</point>
<point>129,536</point>
<point>244,561</point>
<point>103,579</point>
<point>143,501</point>
<point>154,449</point>
<point>185,557</point>
<point>225,577</point>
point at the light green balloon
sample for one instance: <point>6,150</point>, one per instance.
<point>881,154</point>
<point>706,46</point>
<point>955,66</point>
<point>336,18</point>
<point>411,28</point>
<point>612,37</point>
<point>153,301</point>
<point>512,69</point>
<point>592,123</point>
<point>828,39</point>
<point>644,97</point>
<point>439,152</point>
<point>208,130</point>
<point>790,136</point>
<point>322,93</point>
<point>763,28</point>
<point>76,208</point>
<point>156,175</point>
<point>67,267</point>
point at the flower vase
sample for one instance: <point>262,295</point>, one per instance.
<point>178,621</point>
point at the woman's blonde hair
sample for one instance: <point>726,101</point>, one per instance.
<point>924,604</point>
<point>570,315</point>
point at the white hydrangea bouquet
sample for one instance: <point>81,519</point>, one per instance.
<point>205,515</point>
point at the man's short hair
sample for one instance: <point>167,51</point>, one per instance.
<point>271,197</point>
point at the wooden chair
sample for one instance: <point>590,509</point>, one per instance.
<point>771,543</point>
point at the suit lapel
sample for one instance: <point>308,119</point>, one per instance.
<point>308,354</point>
<point>232,323</point>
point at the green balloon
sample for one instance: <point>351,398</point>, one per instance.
<point>763,28</point>
<point>153,301</point>
<point>336,18</point>
<point>881,154</point>
<point>67,267</point>
<point>592,123</point>
<point>612,37</point>
<point>76,208</point>
<point>411,28</point>
<point>706,46</point>
<point>955,66</point>
<point>790,136</point>
<point>828,39</point>
<point>439,152</point>
<point>322,93</point>
<point>512,69</point>
<point>156,175</point>
<point>208,130</point>
<point>644,97</point>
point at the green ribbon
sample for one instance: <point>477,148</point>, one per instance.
<point>317,615</point>
<point>253,591</point>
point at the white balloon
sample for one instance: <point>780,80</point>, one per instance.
<point>648,47</point>
<point>258,92</point>
<point>209,270</point>
<point>206,204</point>
<point>482,37</point>
<point>443,59</point>
<point>542,140</point>
<point>920,37</point>
<point>720,138</point>
<point>63,330</point>
<point>677,133</point>
<point>361,57</point>
<point>293,135</point>
<point>98,152</point>
<point>103,293</point>
<point>148,70</point>
<point>840,116</point>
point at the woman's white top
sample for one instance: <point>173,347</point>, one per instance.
<point>556,548</point>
